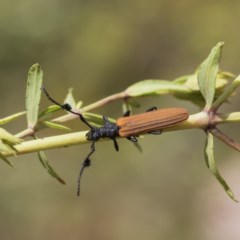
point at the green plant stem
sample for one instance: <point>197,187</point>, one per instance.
<point>11,117</point>
<point>198,120</point>
<point>60,141</point>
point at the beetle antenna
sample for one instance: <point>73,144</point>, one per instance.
<point>66,107</point>
<point>86,163</point>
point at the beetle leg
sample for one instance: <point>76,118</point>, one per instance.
<point>115,144</point>
<point>127,113</point>
<point>138,146</point>
<point>132,138</point>
<point>151,109</point>
<point>105,120</point>
<point>155,132</point>
<point>135,142</point>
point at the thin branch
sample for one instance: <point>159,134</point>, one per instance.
<point>226,139</point>
<point>67,117</point>
<point>92,106</point>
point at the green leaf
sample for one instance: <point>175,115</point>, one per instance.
<point>192,82</point>
<point>56,126</point>
<point>5,148</point>
<point>79,104</point>
<point>227,93</point>
<point>195,96</point>
<point>207,74</point>
<point>43,159</point>
<point>48,112</point>
<point>8,137</point>
<point>96,119</point>
<point>70,99</point>
<point>33,94</point>
<point>6,160</point>
<point>11,117</point>
<point>181,79</point>
<point>210,161</point>
<point>8,148</point>
<point>7,142</point>
<point>154,87</point>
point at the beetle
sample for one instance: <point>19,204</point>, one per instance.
<point>153,121</point>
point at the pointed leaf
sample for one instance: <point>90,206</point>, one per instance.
<point>33,94</point>
<point>227,93</point>
<point>6,160</point>
<point>56,126</point>
<point>181,79</point>
<point>8,137</point>
<point>96,118</point>
<point>70,99</point>
<point>11,117</point>
<point>210,161</point>
<point>154,87</point>
<point>195,96</point>
<point>79,104</point>
<point>48,112</point>
<point>5,148</point>
<point>207,74</point>
<point>43,159</point>
<point>7,142</point>
<point>192,82</point>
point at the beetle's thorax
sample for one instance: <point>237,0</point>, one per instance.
<point>109,130</point>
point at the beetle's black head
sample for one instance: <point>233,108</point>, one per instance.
<point>89,135</point>
<point>93,134</point>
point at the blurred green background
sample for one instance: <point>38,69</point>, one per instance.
<point>100,48</point>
